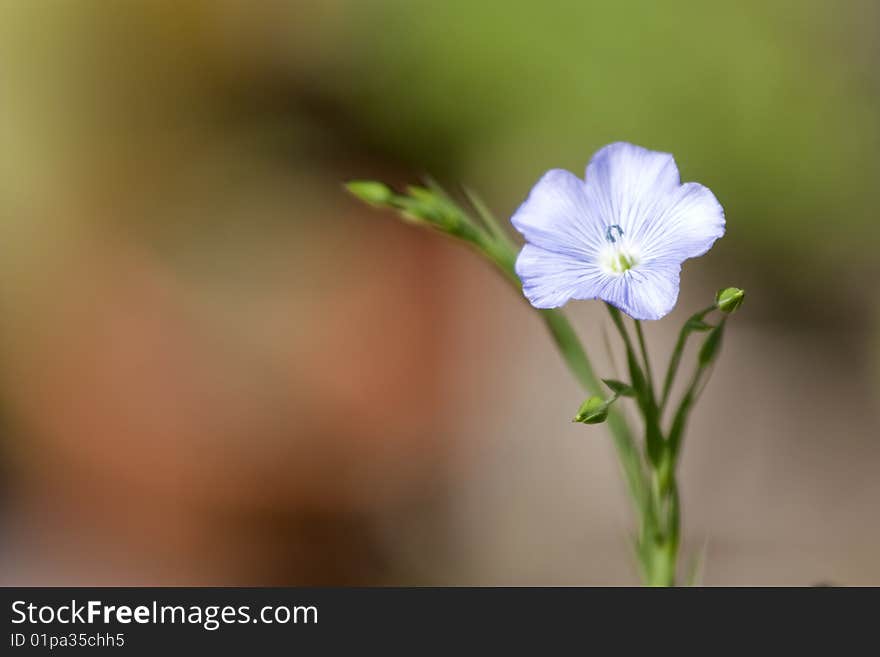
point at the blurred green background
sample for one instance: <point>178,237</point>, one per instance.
<point>217,368</point>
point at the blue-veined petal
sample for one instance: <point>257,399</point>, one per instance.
<point>688,226</point>
<point>551,279</point>
<point>641,191</point>
<point>557,216</point>
<point>644,292</point>
<point>628,183</point>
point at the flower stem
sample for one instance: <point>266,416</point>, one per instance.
<point>698,381</point>
<point>503,254</point>
<point>675,359</point>
<point>648,374</point>
<point>660,522</point>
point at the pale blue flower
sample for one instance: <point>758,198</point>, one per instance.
<point>620,236</point>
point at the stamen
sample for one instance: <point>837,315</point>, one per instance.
<point>609,233</point>
<point>622,262</point>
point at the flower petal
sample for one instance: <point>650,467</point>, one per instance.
<point>640,190</point>
<point>551,279</point>
<point>686,228</point>
<point>628,183</point>
<point>644,292</point>
<point>557,216</point>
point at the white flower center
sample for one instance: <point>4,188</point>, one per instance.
<point>618,255</point>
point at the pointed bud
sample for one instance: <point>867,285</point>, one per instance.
<point>729,299</point>
<point>424,205</point>
<point>369,191</point>
<point>593,411</point>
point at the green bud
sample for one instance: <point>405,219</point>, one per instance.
<point>424,205</point>
<point>423,194</point>
<point>415,211</point>
<point>369,191</point>
<point>593,411</point>
<point>729,299</point>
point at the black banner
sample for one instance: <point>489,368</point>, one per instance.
<point>416,620</point>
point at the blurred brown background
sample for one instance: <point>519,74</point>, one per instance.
<point>216,368</point>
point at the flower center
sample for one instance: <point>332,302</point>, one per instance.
<point>618,256</point>
<point>621,261</point>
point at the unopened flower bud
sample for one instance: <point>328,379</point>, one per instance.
<point>374,193</point>
<point>593,411</point>
<point>729,299</point>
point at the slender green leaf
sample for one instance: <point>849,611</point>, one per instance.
<point>697,565</point>
<point>711,346</point>
<point>620,388</point>
<point>693,325</point>
<point>494,227</point>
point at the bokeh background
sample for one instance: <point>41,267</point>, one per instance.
<point>217,368</point>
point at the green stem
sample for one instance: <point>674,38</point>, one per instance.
<point>658,543</point>
<point>675,359</point>
<point>503,254</point>
<point>662,544</point>
<point>644,395</point>
<point>698,381</point>
<point>674,515</point>
<point>661,571</point>
<point>649,376</point>
<point>617,320</point>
